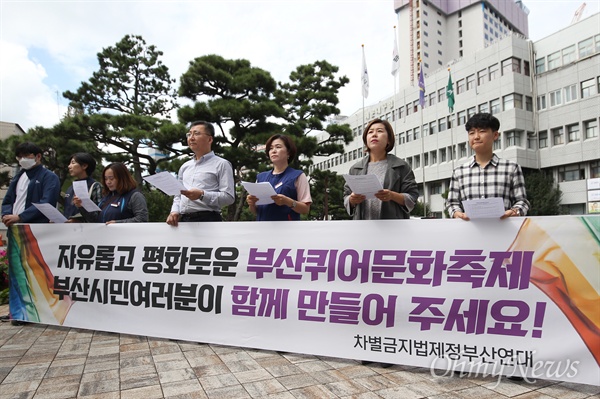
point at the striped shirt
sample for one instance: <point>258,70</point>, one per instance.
<point>499,178</point>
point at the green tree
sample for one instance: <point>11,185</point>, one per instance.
<point>238,98</point>
<point>124,105</point>
<point>309,100</point>
<point>327,192</point>
<point>543,194</point>
<point>58,143</point>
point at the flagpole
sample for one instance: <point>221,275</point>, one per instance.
<point>422,105</point>
<point>450,91</point>
<point>365,85</point>
<point>395,74</point>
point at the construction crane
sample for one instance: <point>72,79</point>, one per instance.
<point>578,14</point>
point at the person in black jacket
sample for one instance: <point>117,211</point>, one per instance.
<point>32,184</point>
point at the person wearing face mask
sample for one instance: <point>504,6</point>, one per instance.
<point>291,185</point>
<point>400,191</point>
<point>32,184</point>
<point>122,201</point>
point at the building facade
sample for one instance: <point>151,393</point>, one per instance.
<point>545,94</point>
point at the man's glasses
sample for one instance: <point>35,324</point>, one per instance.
<point>195,134</point>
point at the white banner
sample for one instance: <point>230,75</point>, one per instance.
<point>517,296</point>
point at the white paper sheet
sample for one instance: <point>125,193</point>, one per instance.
<point>366,185</point>
<point>51,213</point>
<point>484,208</point>
<point>166,182</point>
<point>264,191</point>
<point>81,190</point>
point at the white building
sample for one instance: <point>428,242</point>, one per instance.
<point>544,93</point>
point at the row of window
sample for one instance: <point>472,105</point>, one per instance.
<point>568,134</point>
<point>569,93</point>
<point>569,54</point>
<point>560,135</point>
<point>576,171</point>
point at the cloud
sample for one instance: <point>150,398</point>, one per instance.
<point>26,100</point>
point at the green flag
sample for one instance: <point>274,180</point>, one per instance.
<point>450,93</point>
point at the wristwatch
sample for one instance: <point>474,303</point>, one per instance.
<point>294,203</point>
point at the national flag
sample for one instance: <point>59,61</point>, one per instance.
<point>421,88</point>
<point>395,56</point>
<point>365,76</point>
<point>450,93</point>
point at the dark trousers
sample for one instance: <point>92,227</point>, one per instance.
<point>202,216</point>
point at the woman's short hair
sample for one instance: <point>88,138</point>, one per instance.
<point>390,134</point>
<point>83,158</point>
<point>289,144</point>
<point>125,181</point>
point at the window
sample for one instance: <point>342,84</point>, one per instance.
<point>493,70</point>
<point>540,65</point>
<point>435,188</point>
<point>512,101</point>
<point>400,112</point>
<point>570,93</point>
<point>568,55</point>
<point>433,128</point>
<point>431,99</point>
<point>442,155</point>
<point>558,136</point>
<point>462,150</point>
<point>442,124</point>
<point>526,69</point>
<point>554,60</point>
<point>426,159</point>
<point>555,98</point>
<point>425,130</point>
<point>495,106</point>
<point>462,117</point>
<point>460,86</point>
<point>588,88</point>
<point>408,136</point>
<point>481,75</point>
<point>594,169</point>
<point>401,138</point>
<point>470,112</point>
<point>573,132</point>
<point>441,95</point>
<point>531,141</point>
<point>590,128</point>
<point>470,82</point>
<point>513,138</point>
<point>598,43</point>
<point>541,102</point>
<point>528,103</point>
<point>417,161</point>
<point>498,143</point>
<point>586,47</point>
<point>511,65</point>
<point>416,133</point>
<point>543,139</point>
<point>433,157</point>
<point>571,172</point>
<point>484,107</point>
<point>452,153</point>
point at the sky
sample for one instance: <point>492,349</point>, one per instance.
<point>48,47</point>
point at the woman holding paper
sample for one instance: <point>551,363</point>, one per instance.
<point>400,191</point>
<point>122,202</point>
<point>292,196</point>
<point>81,167</point>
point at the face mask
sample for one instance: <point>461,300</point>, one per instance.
<point>27,163</point>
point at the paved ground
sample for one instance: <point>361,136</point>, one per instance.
<point>38,361</point>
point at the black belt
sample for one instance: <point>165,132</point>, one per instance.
<point>201,216</point>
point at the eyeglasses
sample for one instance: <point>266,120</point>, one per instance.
<point>31,156</point>
<point>195,134</point>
